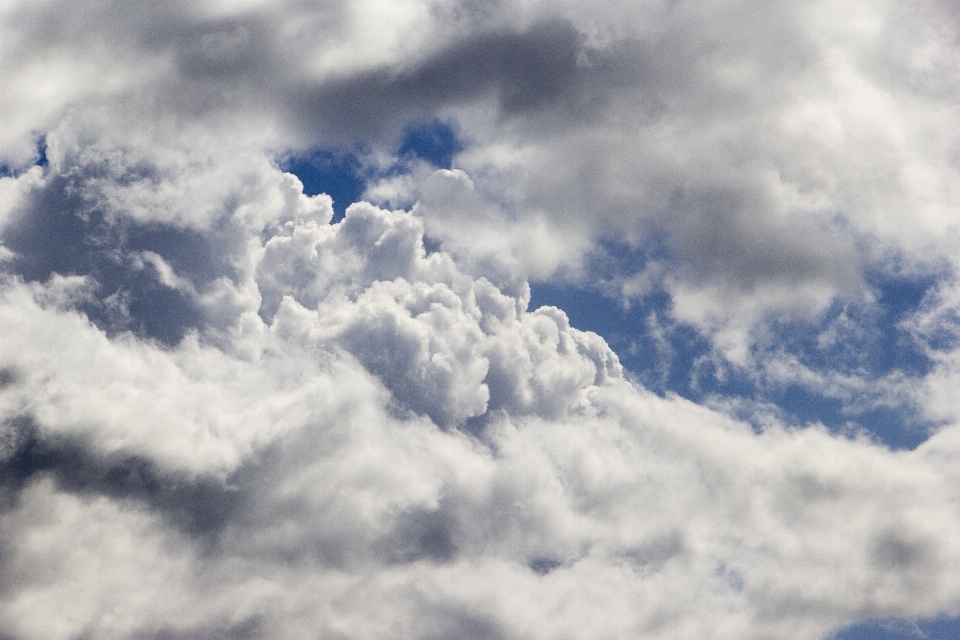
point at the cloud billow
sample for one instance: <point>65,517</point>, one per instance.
<point>224,413</point>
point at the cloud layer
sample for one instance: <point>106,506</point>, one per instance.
<point>395,443</point>
<point>223,414</point>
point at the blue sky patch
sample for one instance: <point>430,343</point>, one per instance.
<point>434,141</point>
<point>861,340</point>
<point>7,171</point>
<point>940,629</point>
<point>337,173</point>
<point>343,175</point>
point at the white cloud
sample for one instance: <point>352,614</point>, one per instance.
<point>483,235</point>
<point>771,147</point>
<point>287,490</point>
<point>222,416</point>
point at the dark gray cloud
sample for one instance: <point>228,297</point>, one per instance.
<point>198,506</point>
<point>523,72</point>
<point>422,534</point>
<point>250,629</point>
<point>58,232</point>
<point>252,61</point>
<point>716,235</point>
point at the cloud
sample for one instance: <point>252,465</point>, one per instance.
<point>769,149</point>
<point>397,441</point>
<point>522,71</point>
<point>224,415</point>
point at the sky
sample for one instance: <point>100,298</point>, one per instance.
<point>487,320</point>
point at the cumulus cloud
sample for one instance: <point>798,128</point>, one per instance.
<point>225,414</point>
<point>332,476</point>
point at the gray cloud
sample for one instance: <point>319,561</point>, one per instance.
<point>524,72</point>
<point>317,459</point>
<point>198,506</point>
<point>223,416</point>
